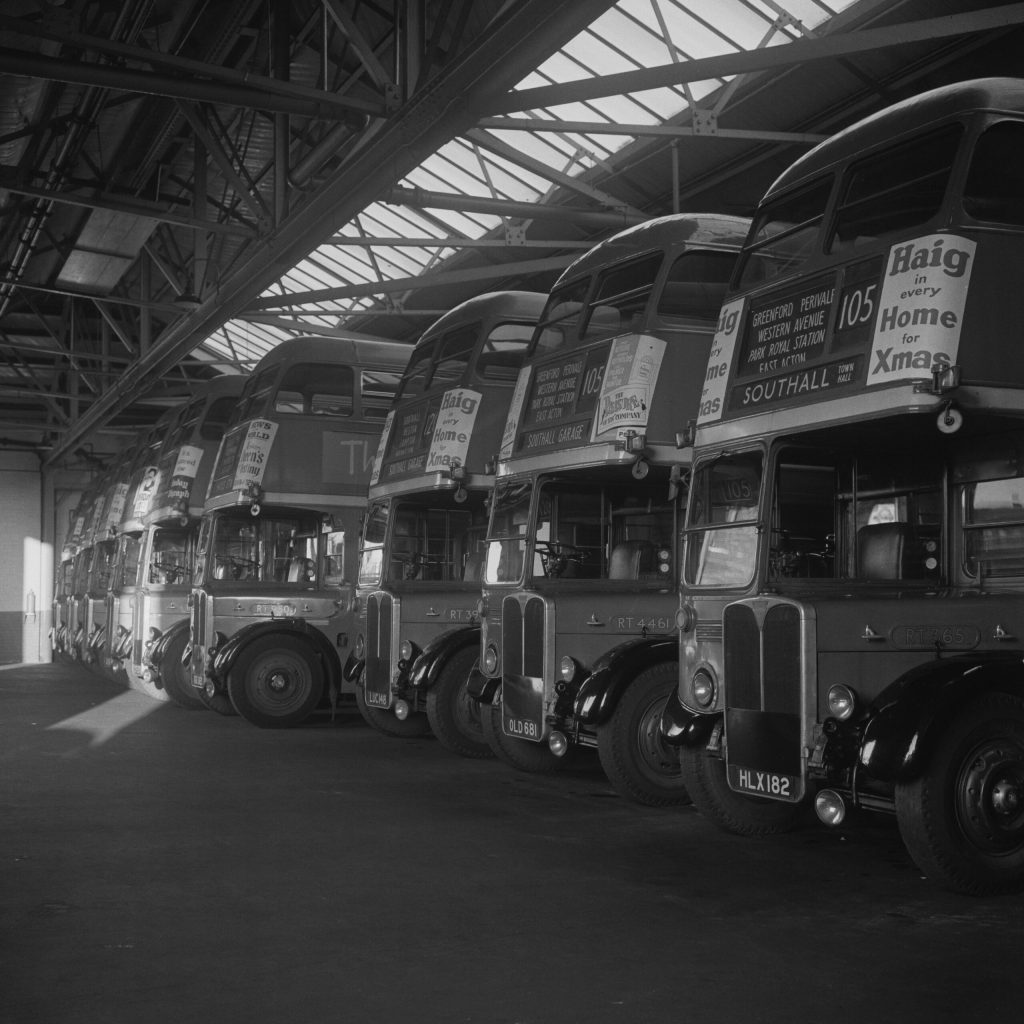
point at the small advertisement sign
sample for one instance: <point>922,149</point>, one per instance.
<point>187,462</point>
<point>628,386</point>
<point>921,307</point>
<point>716,380</point>
<point>146,491</point>
<point>253,453</point>
<point>453,429</point>
<point>183,475</point>
<point>378,458</point>
<point>515,411</point>
<point>115,510</point>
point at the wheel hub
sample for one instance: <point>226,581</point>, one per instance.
<point>278,682</point>
<point>650,744</point>
<point>989,797</point>
<point>1006,796</point>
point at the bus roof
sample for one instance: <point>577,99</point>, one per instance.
<point>696,229</point>
<point>363,351</point>
<point>518,305</point>
<point>910,116</point>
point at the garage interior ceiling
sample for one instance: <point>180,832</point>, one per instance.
<point>186,183</point>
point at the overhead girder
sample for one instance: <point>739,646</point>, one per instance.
<point>355,291</point>
<point>418,197</point>
<point>324,106</point>
<point>668,131</point>
<point>446,105</point>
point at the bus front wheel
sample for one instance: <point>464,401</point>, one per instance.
<point>962,819</point>
<point>276,682</point>
<point>638,764</point>
<point>175,676</point>
<point>454,716</point>
<point>705,781</point>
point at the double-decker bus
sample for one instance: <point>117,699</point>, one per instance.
<point>580,576</point>
<point>156,548</point>
<point>852,622</point>
<point>423,538</point>
<point>272,615</point>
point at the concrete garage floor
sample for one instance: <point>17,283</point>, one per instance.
<point>164,865</point>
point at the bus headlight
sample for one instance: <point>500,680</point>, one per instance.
<point>406,650</point>
<point>704,689</point>
<point>686,619</point>
<point>842,702</point>
<point>490,663</point>
<point>567,669</point>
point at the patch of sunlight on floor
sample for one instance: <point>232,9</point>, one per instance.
<point>106,720</point>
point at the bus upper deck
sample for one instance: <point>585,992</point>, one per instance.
<point>879,272</point>
<point>307,424</point>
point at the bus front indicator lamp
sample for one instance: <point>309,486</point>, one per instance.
<point>686,619</point>
<point>558,743</point>
<point>704,689</point>
<point>842,702</point>
<point>830,807</point>
<point>491,659</point>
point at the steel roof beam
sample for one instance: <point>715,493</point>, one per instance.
<point>153,212</point>
<point>418,197</point>
<point>538,124</point>
<point>401,284</point>
<point>456,242</point>
<point>543,170</point>
<point>36,65</point>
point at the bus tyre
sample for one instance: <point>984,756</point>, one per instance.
<point>175,677</point>
<point>385,721</point>
<point>962,819</point>
<point>276,682</point>
<point>638,764</point>
<point>704,777</point>
<point>219,702</point>
<point>154,691</point>
<point>454,717</point>
<point>522,754</point>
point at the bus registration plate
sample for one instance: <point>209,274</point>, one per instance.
<point>520,728</point>
<point>376,699</point>
<point>522,707</point>
<point>767,784</point>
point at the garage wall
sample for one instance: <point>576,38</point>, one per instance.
<point>26,561</point>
